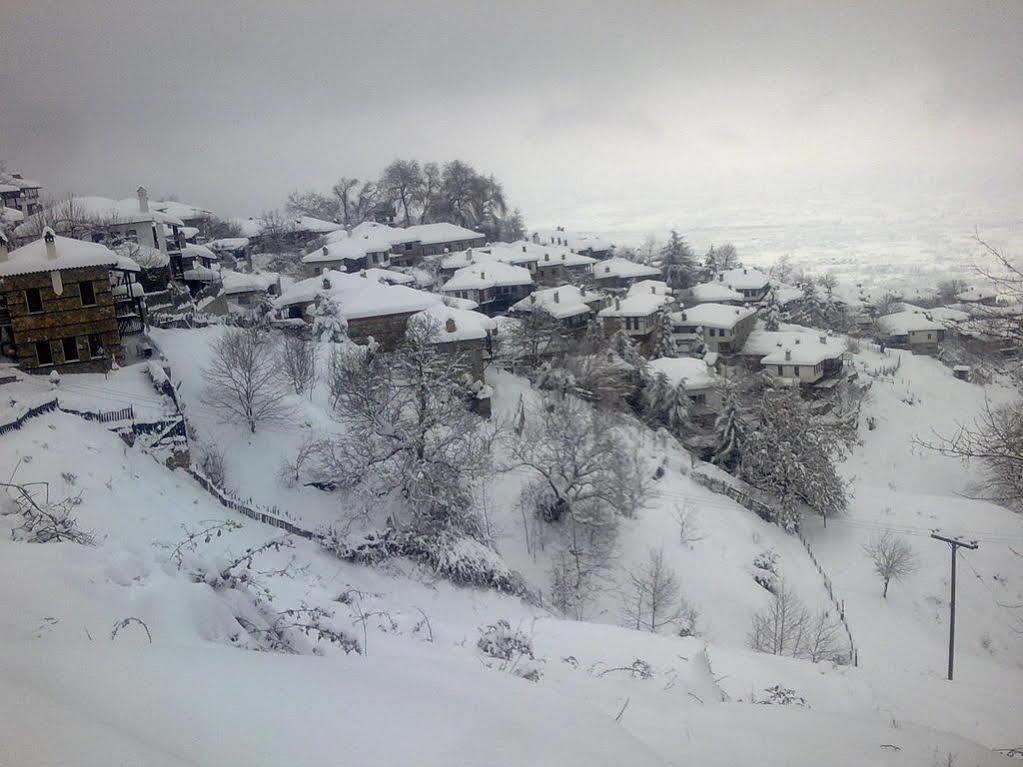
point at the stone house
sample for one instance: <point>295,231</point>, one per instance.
<point>636,315</point>
<point>795,357</point>
<point>912,329</point>
<point>19,193</point>
<point>619,273</point>
<point>571,306</point>
<point>492,284</point>
<point>59,310</point>
<point>716,327</point>
<point>701,382</point>
<point>583,243</point>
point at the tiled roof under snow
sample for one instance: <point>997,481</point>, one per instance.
<point>745,278</point>
<point>622,267</point>
<point>714,292</point>
<point>763,342</point>
<point>241,282</point>
<point>358,296</point>
<point>639,305</point>
<point>909,321</point>
<point>561,302</point>
<point>715,315</point>
<point>67,254</point>
<point>488,275</point>
<point>451,324</point>
<point>695,373</point>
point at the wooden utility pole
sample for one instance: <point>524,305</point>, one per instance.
<point>954,542</point>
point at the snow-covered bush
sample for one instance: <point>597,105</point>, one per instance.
<point>512,648</point>
<point>765,570</point>
<point>38,519</point>
<point>328,323</point>
<point>459,558</point>
<point>212,464</point>
<point>786,627</point>
<point>780,696</point>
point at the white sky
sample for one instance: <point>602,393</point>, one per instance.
<point>588,112</point>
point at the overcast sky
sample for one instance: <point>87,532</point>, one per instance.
<point>583,110</point>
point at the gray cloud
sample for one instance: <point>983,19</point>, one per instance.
<point>575,106</point>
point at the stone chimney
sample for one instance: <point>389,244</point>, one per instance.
<point>653,289</point>
<point>325,251</point>
<point>824,339</point>
<point>797,342</point>
<point>532,299</point>
<point>557,300</point>
<point>618,304</point>
<point>788,354</point>
<point>546,256</point>
<point>483,275</point>
<point>523,248</point>
<point>684,318</point>
<point>721,278</point>
<point>143,199</point>
<point>562,256</point>
<point>51,244</point>
<point>745,271</point>
<point>450,326</point>
<point>4,249</point>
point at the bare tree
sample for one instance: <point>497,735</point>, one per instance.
<point>402,182</point>
<point>653,598</point>
<point>312,203</point>
<point>297,356</point>
<point>892,557</point>
<point>343,191</point>
<point>243,379</point>
<point>534,338</point>
<point>783,626</point>
<point>275,230</point>
<point>829,282</point>
<point>429,199</point>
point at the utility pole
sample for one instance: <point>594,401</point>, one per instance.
<point>954,543</point>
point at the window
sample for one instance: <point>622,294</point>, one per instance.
<point>70,349</point>
<point>34,299</point>
<point>95,346</point>
<point>408,246</point>
<point>132,235</point>
<point>44,354</point>
<point>781,370</point>
<point>88,293</point>
<point>156,240</point>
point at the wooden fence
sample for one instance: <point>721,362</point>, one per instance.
<point>767,512</point>
<point>18,422</point>
<point>268,516</point>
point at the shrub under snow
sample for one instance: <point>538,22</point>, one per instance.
<point>511,648</point>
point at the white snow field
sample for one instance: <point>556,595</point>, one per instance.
<point>421,692</point>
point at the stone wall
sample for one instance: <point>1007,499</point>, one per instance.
<point>63,316</point>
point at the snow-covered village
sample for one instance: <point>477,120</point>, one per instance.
<point>402,433</point>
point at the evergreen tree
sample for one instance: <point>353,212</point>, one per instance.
<point>664,345</point>
<point>772,314</point>
<point>677,262</point>
<point>666,404</point>
<point>728,435</point>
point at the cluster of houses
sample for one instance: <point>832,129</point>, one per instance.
<point>75,279</point>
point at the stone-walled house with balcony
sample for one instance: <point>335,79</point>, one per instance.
<point>715,327</point>
<point>19,193</point>
<point>636,315</point>
<point>795,357</point>
<point>492,284</point>
<point>620,273</point>
<point>347,254</point>
<point>571,306</point>
<point>583,243</point>
<point>751,284</point>
<point>59,309</point>
<point>701,382</point>
<point>912,329</point>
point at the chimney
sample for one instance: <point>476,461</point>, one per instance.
<point>684,318</point>
<point>824,339</point>
<point>3,247</point>
<point>745,271</point>
<point>618,304</point>
<point>325,251</point>
<point>483,275</point>
<point>532,299</point>
<point>51,244</point>
<point>523,248</point>
<point>546,256</point>
<point>143,199</point>
<point>797,342</point>
<point>788,354</point>
<point>721,278</point>
<point>557,300</point>
<point>653,289</point>
<point>449,326</point>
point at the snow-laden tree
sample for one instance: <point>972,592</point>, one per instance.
<point>790,453</point>
<point>531,340</point>
<point>677,262</point>
<point>666,404</point>
<point>728,433</point>
<point>243,378</point>
<point>409,433</point>
<point>719,259</point>
<point>298,361</point>
<point>772,314</point>
<point>664,340</point>
<point>892,557</point>
<point>585,466</point>
<point>328,323</point>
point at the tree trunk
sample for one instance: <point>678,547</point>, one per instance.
<point>884,594</point>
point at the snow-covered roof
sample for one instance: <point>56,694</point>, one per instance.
<point>452,324</point>
<point>134,289</point>
<point>713,315</point>
<point>488,275</point>
<point>152,258</point>
<point>771,347</point>
<point>103,210</point>
<point>908,321</point>
<point>622,267</point>
<point>126,264</point>
<point>655,287</point>
<point>694,373</point>
<point>389,276</point>
<point>62,253</point>
<point>358,295</point>
<point>316,225</point>
<point>10,216</point>
<point>786,294</point>
<point>638,305</point>
<point>198,251</point>
<point>241,282</point>
<point>976,293</point>
<point>941,314</point>
<point>347,249</point>
<point>180,209</point>
<point>561,302</point>
<point>15,182</point>
<point>744,278</point>
<point>764,342</point>
<point>228,244</point>
<point>201,273</point>
<point>714,292</point>
<point>391,234</point>
<point>574,240</point>
<point>432,234</point>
